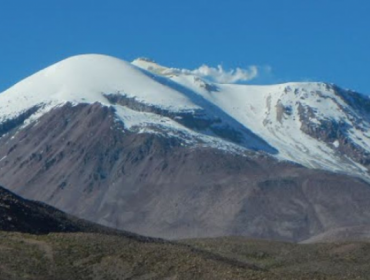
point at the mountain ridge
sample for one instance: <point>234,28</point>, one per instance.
<point>165,153</point>
<point>288,120</point>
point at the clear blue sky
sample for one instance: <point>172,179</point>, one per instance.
<point>323,40</point>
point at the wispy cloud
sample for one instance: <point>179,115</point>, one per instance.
<point>220,75</point>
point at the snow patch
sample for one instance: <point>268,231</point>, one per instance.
<point>336,144</point>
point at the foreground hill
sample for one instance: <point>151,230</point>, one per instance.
<point>82,250</point>
<point>161,152</point>
<point>295,261</point>
<point>98,256</point>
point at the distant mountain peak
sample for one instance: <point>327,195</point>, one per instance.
<point>161,151</point>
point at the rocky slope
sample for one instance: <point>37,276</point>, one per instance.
<point>155,186</point>
<point>167,154</point>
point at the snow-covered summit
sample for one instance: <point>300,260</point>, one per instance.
<point>84,79</point>
<point>314,124</point>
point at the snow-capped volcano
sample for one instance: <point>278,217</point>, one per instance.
<point>314,124</point>
<point>163,152</point>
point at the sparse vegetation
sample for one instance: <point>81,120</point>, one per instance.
<point>38,242</point>
<point>107,256</point>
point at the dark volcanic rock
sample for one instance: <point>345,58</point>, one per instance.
<point>21,215</point>
<point>18,214</point>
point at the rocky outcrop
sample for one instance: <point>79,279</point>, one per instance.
<point>197,120</point>
<point>334,133</point>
